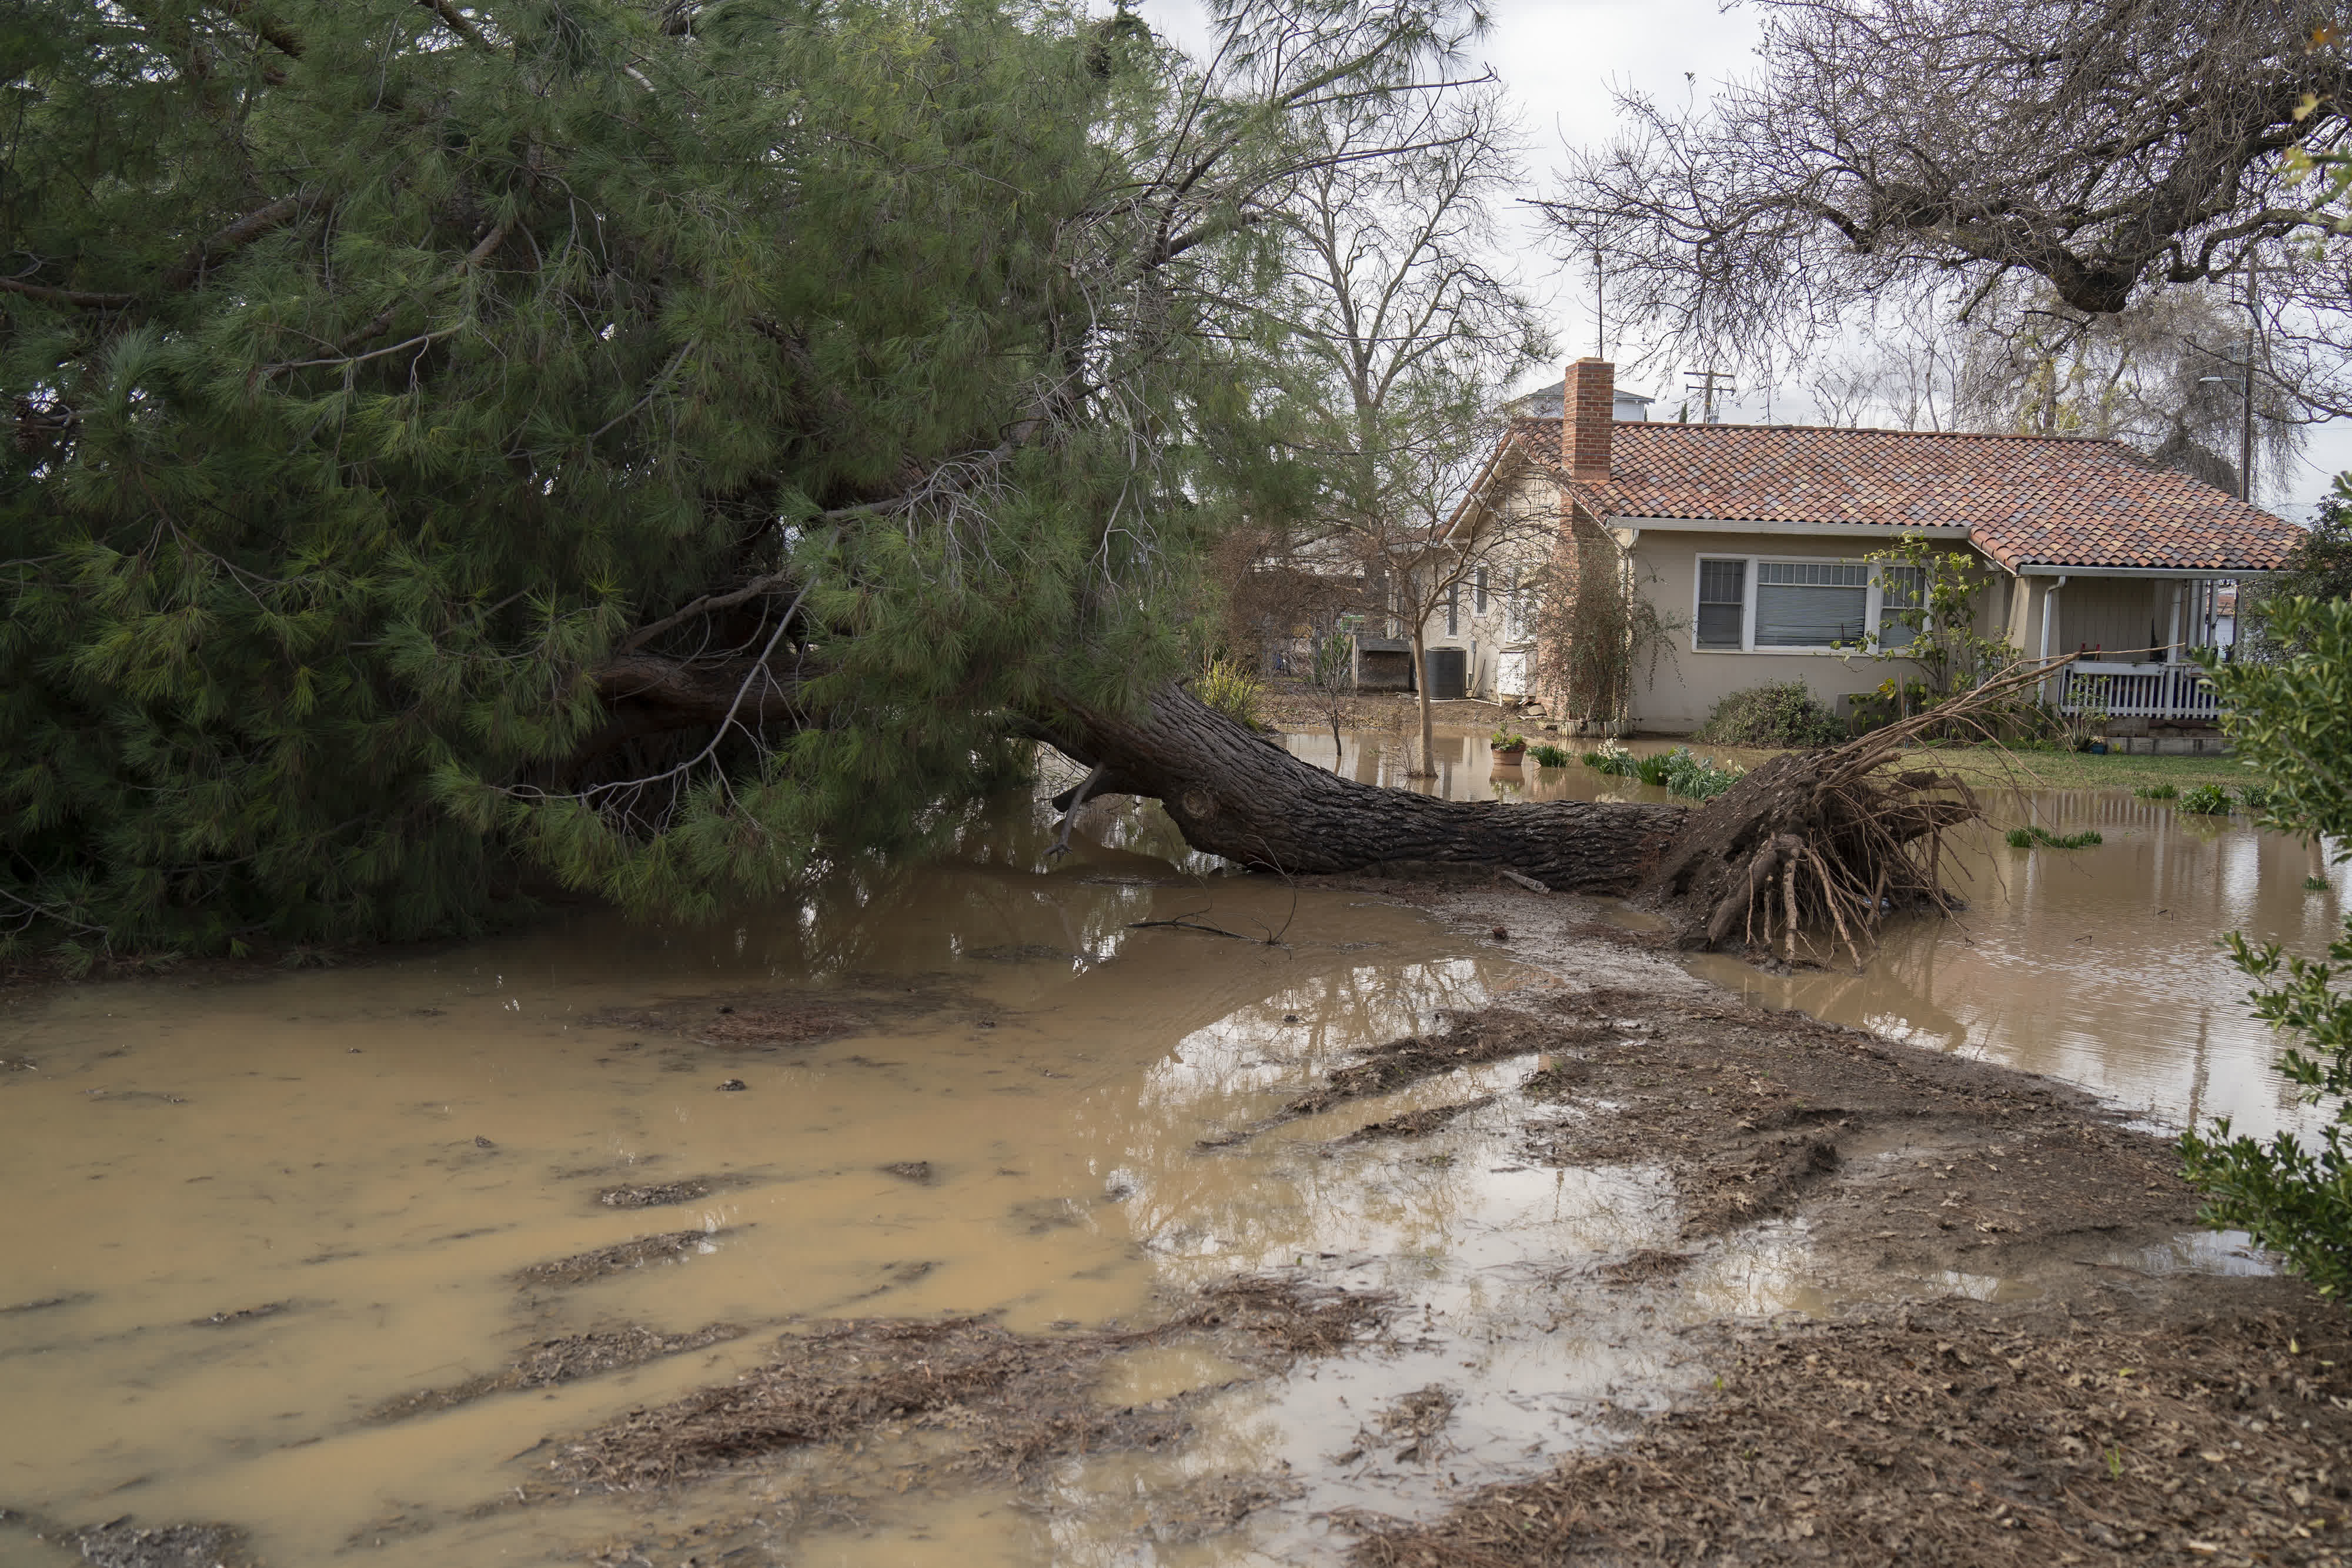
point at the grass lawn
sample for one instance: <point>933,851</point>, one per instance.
<point>1989,766</point>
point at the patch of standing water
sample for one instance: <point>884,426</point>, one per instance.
<point>2100,967</point>
<point>270,1246</point>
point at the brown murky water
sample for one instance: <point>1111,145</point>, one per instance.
<point>2098,965</point>
<point>245,1218</point>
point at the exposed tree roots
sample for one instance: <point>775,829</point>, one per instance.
<point>1814,849</point>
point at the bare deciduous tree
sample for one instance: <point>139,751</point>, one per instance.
<point>1402,330</point>
<point>1895,147</point>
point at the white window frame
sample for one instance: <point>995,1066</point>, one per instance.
<point>1874,600</point>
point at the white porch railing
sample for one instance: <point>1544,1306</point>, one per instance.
<point>2137,691</point>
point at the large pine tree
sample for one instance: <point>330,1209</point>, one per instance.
<point>648,445</point>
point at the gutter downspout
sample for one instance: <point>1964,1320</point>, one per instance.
<point>2048,613</point>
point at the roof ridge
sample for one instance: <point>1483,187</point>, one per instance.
<point>1848,429</point>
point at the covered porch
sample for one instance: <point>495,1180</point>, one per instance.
<point>2136,636</point>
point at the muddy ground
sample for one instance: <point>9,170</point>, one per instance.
<point>2098,1406</point>
<point>2095,1411</point>
<point>2049,1386</point>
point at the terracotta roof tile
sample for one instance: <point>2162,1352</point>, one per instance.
<point>2026,500</point>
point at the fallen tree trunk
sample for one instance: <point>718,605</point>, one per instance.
<point>1237,793</point>
<point>1813,847</point>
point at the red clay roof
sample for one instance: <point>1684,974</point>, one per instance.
<point>2026,500</point>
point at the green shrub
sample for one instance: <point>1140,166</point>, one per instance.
<point>1779,713</point>
<point>2206,800</point>
<point>2027,838</point>
<point>1893,700</point>
<point>2157,792</point>
<point>1232,691</point>
<point>2292,718</point>
<point>1678,771</point>
<point>1549,755</point>
<point>2254,797</point>
<point>1506,738</point>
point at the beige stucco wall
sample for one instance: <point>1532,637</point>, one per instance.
<point>1676,696</point>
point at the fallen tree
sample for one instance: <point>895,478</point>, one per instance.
<point>1828,843</point>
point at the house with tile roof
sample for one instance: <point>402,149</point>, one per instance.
<point>1751,541</point>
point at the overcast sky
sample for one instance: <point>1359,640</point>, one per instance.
<point>1560,60</point>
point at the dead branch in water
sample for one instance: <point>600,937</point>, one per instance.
<point>1831,841</point>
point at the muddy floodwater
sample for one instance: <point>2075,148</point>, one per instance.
<point>2097,965</point>
<point>342,1257</point>
<point>275,1249</point>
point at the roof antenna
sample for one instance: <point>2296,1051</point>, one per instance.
<point>1599,310</point>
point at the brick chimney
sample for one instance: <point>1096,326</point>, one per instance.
<point>1588,405</point>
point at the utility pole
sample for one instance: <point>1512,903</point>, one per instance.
<point>2246,433</point>
<point>2245,382</point>
<point>1705,380</point>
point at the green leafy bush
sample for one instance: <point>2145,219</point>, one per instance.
<point>1779,713</point>
<point>1506,738</point>
<point>2292,718</point>
<point>2254,797</point>
<point>1678,770</point>
<point>1892,700</point>
<point>2027,838</point>
<point>2157,792</point>
<point>1232,691</point>
<point>1549,755</point>
<point>2206,800</point>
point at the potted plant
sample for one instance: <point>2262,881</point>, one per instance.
<point>1509,746</point>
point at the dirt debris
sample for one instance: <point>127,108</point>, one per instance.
<point>1962,1433</point>
<point>656,1195</point>
<point>775,1020</point>
<point>772,1019</point>
<point>1414,1423</point>
<point>1416,1123</point>
<point>1004,1399</point>
<point>1646,1264</point>
<point>990,1402</point>
<point>919,1172</point>
<point>581,1267</point>
<point>1212,1505</point>
<point>1289,1317</point>
<point>242,1315</point>
<point>119,1544</point>
<point>1470,1040</point>
<point>565,1359</point>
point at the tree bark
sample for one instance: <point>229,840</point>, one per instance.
<point>1418,642</point>
<point>1237,793</point>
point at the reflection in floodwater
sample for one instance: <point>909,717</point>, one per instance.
<point>244,1216</point>
<point>2099,967</point>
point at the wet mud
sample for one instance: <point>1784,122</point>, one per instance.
<point>564,1359</point>
<point>1092,1239</point>
<point>2124,1431</point>
<point>992,1402</point>
<point>581,1267</point>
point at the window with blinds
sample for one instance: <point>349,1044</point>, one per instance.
<point>1900,588</point>
<point>1722,603</point>
<point>1811,604</point>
